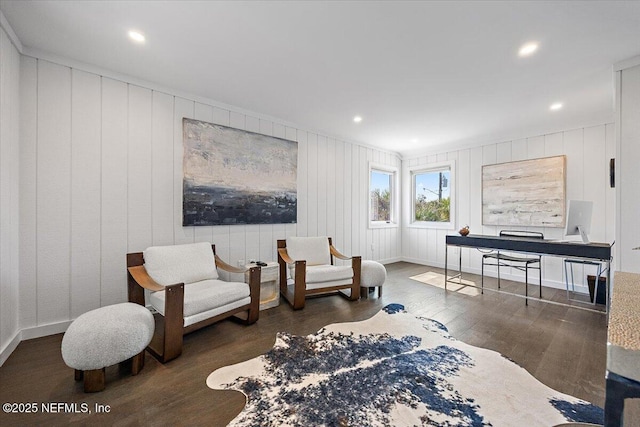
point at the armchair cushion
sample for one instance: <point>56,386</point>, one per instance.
<point>329,273</point>
<point>205,295</point>
<point>313,250</point>
<point>189,263</point>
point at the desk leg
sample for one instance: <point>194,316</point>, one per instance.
<point>446,252</point>
<point>459,265</point>
<point>607,290</point>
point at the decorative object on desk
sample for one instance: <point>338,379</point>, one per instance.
<point>392,369</point>
<point>231,176</point>
<point>528,192</point>
<point>464,230</point>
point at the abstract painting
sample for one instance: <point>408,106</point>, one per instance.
<point>231,176</point>
<point>527,193</point>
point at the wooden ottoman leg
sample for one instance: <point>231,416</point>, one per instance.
<point>137,363</point>
<point>379,291</point>
<point>78,375</point>
<point>94,380</point>
<point>364,292</point>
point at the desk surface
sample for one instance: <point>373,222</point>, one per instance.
<point>599,251</point>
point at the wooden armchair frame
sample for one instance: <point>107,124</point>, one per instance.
<point>300,291</point>
<point>166,344</point>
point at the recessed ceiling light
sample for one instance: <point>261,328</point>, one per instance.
<point>528,49</point>
<point>357,119</point>
<point>136,36</point>
<point>555,106</point>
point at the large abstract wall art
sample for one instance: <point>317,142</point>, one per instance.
<point>231,176</point>
<point>527,193</point>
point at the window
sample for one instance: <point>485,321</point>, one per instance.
<point>382,196</point>
<point>433,196</point>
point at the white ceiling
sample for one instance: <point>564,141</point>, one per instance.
<point>445,73</point>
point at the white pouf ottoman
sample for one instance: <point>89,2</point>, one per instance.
<point>104,337</point>
<point>372,275</point>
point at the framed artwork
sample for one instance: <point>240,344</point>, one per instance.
<point>526,193</point>
<point>231,176</point>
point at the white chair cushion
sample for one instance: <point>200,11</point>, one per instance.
<point>313,250</point>
<point>328,273</point>
<point>189,263</point>
<point>205,295</point>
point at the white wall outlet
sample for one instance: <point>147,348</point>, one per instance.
<point>241,263</point>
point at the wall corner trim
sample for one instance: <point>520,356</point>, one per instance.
<point>627,63</point>
<point>10,347</point>
<point>12,35</point>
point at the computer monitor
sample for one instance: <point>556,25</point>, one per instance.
<point>579,219</point>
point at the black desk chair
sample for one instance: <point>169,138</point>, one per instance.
<point>521,263</point>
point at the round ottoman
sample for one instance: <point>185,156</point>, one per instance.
<point>372,275</point>
<point>104,337</point>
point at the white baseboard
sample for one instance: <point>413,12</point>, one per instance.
<point>44,330</point>
<point>389,260</point>
<point>9,348</point>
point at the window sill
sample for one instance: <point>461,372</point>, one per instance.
<point>374,225</point>
<point>432,225</point>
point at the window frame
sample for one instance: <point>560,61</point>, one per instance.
<point>449,165</point>
<point>394,204</point>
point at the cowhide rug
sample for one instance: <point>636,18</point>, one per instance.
<point>393,369</point>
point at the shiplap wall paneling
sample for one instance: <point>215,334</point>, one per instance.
<point>139,211</point>
<point>114,191</point>
<point>330,188</point>
<point>610,196</point>
<point>28,156</point>
<point>53,192</point>
<point>162,169</point>
<point>312,185</point>
<point>9,191</point>
<point>462,190</point>
<point>321,186</point>
<point>345,244</point>
<point>475,203</point>
<point>303,184</point>
<point>85,199</point>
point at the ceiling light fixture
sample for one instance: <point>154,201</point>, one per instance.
<point>136,36</point>
<point>555,106</point>
<point>357,119</point>
<point>528,49</point>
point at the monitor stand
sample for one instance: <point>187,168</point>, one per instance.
<point>583,234</point>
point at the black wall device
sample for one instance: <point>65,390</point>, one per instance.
<point>612,173</point>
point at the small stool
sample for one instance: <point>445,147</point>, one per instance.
<point>104,337</point>
<point>372,275</point>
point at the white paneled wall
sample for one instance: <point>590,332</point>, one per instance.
<point>9,194</point>
<point>101,175</point>
<point>587,152</point>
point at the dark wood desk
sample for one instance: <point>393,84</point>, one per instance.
<point>590,251</point>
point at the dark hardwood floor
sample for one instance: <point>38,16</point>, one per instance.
<point>563,347</point>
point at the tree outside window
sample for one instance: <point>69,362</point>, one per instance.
<point>381,203</point>
<point>432,196</point>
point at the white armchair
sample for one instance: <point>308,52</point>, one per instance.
<point>187,293</point>
<point>310,261</point>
